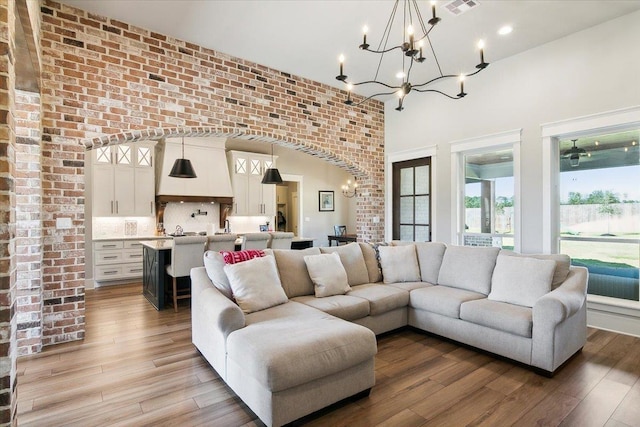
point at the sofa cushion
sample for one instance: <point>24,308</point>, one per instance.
<point>327,274</point>
<point>352,260</point>
<point>502,316</point>
<point>430,256</point>
<point>214,265</point>
<point>381,298</point>
<point>469,268</point>
<point>442,299</point>
<point>293,271</point>
<point>409,286</point>
<point>371,260</point>
<point>563,265</point>
<point>293,344</point>
<point>399,264</point>
<point>255,284</point>
<point>343,306</point>
<point>521,280</point>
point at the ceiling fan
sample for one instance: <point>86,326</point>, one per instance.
<point>573,154</point>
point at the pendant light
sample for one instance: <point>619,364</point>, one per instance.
<point>272,175</point>
<point>182,167</point>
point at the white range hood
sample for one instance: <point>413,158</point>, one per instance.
<point>207,155</point>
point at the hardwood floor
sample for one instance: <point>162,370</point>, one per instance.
<point>138,367</point>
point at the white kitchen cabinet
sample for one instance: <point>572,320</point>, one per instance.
<point>117,260</point>
<point>123,181</point>
<point>250,196</point>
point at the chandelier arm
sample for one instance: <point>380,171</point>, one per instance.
<point>419,16</point>
<point>436,91</point>
<point>374,95</point>
<point>382,51</point>
<point>446,76</point>
<point>375,82</point>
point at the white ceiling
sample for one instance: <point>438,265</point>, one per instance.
<point>305,38</point>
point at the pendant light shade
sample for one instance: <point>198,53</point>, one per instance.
<point>182,167</point>
<point>272,175</point>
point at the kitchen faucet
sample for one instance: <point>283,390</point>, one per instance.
<point>227,226</point>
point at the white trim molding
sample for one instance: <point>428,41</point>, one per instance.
<point>299,179</point>
<point>602,312</point>
<point>508,139</point>
<point>401,156</point>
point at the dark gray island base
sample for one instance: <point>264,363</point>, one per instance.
<point>156,254</point>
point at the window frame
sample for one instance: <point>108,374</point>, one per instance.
<point>498,141</point>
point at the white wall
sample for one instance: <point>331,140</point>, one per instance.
<point>319,175</point>
<point>588,72</point>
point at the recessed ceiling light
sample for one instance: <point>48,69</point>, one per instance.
<point>505,30</point>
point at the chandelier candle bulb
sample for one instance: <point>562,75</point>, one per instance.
<point>341,76</point>
<point>461,94</point>
<point>365,30</point>
<point>481,47</point>
<point>433,9</point>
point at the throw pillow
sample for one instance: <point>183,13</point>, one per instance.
<point>430,256</point>
<point>214,264</point>
<point>255,284</point>
<point>563,265</point>
<point>353,262</point>
<point>521,280</point>
<point>293,271</point>
<point>234,257</point>
<point>399,264</point>
<point>328,274</point>
<point>469,268</point>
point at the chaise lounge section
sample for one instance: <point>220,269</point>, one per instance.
<point>314,344</point>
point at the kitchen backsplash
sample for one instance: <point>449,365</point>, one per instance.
<point>104,227</point>
<point>181,214</point>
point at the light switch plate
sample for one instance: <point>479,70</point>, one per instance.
<point>63,223</point>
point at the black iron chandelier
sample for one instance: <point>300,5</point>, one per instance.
<point>412,48</point>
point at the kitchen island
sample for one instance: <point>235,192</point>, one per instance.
<point>156,254</point>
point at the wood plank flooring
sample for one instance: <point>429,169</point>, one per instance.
<point>137,367</point>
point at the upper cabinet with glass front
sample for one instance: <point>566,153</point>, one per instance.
<point>250,196</point>
<point>123,181</point>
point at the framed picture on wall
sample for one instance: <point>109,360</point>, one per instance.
<point>325,201</point>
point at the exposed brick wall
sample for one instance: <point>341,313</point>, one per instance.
<point>7,216</point>
<point>104,77</point>
<point>28,223</point>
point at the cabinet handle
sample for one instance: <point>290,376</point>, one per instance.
<point>112,206</point>
<point>117,209</point>
<point>110,272</point>
<point>135,256</point>
<point>135,270</point>
<point>108,246</point>
<point>111,257</point>
<point>150,206</point>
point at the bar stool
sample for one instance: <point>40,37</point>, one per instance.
<point>280,240</point>
<point>255,241</point>
<point>222,242</point>
<point>186,254</point>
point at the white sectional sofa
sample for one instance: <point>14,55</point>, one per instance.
<point>294,352</point>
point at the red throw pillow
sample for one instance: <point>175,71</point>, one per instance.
<point>239,256</point>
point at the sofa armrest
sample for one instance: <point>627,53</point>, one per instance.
<point>213,318</point>
<point>564,301</point>
<point>560,322</point>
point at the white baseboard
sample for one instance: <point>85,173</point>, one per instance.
<point>613,321</point>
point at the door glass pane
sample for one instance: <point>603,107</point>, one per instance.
<point>406,210</point>
<point>406,181</point>
<point>123,156</point>
<point>406,233</point>
<point>600,210</point>
<point>241,165</point>
<point>144,156</point>
<point>103,155</point>
<point>422,180</point>
<point>256,167</point>
<point>422,233</point>
<point>422,209</point>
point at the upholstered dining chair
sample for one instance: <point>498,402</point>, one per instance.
<point>255,241</point>
<point>221,242</point>
<point>339,230</point>
<point>186,254</point>
<point>280,240</point>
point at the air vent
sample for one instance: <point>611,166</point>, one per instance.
<point>458,7</point>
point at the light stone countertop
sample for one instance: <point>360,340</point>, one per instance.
<point>107,239</point>
<point>158,244</point>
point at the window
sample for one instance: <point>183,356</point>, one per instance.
<point>485,176</point>
<point>412,200</point>
<point>599,212</point>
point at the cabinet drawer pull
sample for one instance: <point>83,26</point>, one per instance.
<point>135,256</point>
<point>135,270</point>
<point>151,207</point>
<point>111,257</point>
<point>112,206</point>
<point>110,272</point>
<point>117,210</point>
<point>109,246</point>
